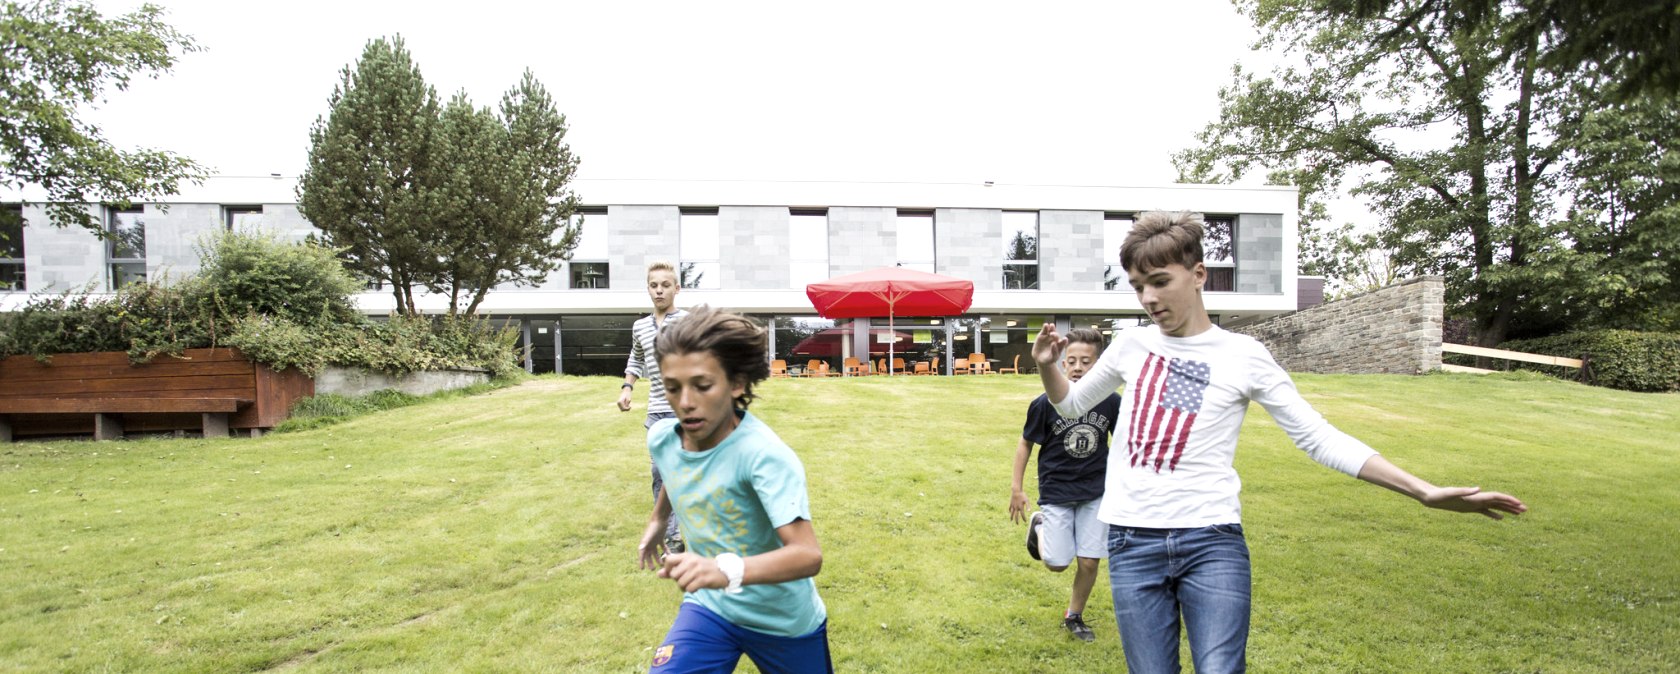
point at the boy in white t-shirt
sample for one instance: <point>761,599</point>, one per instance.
<point>1175,542</point>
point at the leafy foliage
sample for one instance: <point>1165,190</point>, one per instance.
<point>1622,359</point>
<point>255,273</point>
<point>1441,116</point>
<point>58,58</point>
<point>1640,38</point>
<point>285,305</point>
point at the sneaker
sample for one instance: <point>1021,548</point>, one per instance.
<point>1033,534</point>
<point>1074,623</point>
<point>674,545</point>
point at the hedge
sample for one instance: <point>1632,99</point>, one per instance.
<point>1621,359</point>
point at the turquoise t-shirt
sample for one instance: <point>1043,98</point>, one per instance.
<point>731,498</point>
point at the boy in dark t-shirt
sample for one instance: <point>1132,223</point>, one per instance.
<point>1071,469</point>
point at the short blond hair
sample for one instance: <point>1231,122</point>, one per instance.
<point>1160,238</point>
<point>661,265</point>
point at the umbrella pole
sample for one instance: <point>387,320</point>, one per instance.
<point>892,337</point>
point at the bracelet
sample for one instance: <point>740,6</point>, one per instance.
<point>628,386</point>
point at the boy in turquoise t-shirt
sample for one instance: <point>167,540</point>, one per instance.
<point>738,493</point>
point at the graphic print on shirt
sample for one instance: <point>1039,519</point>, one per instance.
<point>710,513</point>
<point>1165,400</point>
<point>1081,437</point>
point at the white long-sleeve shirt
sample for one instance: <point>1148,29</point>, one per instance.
<point>1183,401</point>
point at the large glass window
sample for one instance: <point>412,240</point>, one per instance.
<point>1115,228</point>
<point>1219,253</point>
<point>699,249</point>
<point>594,345</point>
<point>588,267</point>
<point>589,275</point>
<point>126,245</point>
<point>242,218</point>
<point>802,341</point>
<point>11,248</point>
<point>1020,250</point>
<point>808,244</point>
<point>915,240</point>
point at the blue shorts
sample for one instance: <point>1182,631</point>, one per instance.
<point>702,641</point>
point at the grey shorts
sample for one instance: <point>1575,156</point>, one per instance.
<point>1072,529</point>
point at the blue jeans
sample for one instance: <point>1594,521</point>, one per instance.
<point>1158,575</point>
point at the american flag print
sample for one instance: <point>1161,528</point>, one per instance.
<point>1165,400</point>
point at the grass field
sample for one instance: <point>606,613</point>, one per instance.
<point>497,533</point>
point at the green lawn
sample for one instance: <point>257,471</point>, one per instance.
<point>497,533</point>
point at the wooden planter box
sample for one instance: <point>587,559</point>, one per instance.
<point>213,390</point>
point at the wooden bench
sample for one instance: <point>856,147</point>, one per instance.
<point>209,390</point>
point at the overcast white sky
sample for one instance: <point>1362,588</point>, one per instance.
<point>1097,93</point>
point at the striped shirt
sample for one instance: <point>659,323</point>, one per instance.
<point>644,359</point>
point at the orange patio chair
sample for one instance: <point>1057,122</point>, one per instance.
<point>922,368</point>
<point>1013,369</point>
<point>854,368</point>
<point>778,368</point>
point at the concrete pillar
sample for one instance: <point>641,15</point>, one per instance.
<point>215,424</point>
<point>107,426</point>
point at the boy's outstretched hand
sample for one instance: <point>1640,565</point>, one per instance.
<point>1474,500</point>
<point>1048,347</point>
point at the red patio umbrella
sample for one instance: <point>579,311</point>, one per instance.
<point>891,291</point>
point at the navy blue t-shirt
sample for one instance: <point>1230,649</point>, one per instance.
<point>1074,457</point>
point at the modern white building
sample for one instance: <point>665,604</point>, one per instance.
<point>1034,252</point>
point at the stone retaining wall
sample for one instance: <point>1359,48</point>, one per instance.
<point>1392,330</point>
<point>347,381</point>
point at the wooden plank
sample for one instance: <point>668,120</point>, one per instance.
<point>1463,369</point>
<point>120,405</point>
<point>1485,352</point>
<point>161,385</point>
<point>26,376</point>
<point>119,358</point>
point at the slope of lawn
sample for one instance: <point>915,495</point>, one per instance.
<point>497,533</point>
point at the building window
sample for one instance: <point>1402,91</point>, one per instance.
<point>1020,250</point>
<point>1115,228</point>
<point>242,218</point>
<point>915,240</point>
<point>589,275</point>
<point>126,245</point>
<point>11,248</point>
<point>808,246</point>
<point>1219,253</point>
<point>698,248</point>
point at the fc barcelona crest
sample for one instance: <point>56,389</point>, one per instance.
<point>663,655</point>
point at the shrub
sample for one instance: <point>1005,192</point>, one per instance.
<point>143,319</point>
<point>284,305</point>
<point>398,345</point>
<point>1622,359</point>
<point>248,273</point>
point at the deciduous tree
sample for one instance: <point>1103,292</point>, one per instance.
<point>56,60</point>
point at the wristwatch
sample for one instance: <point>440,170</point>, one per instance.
<point>732,567</point>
